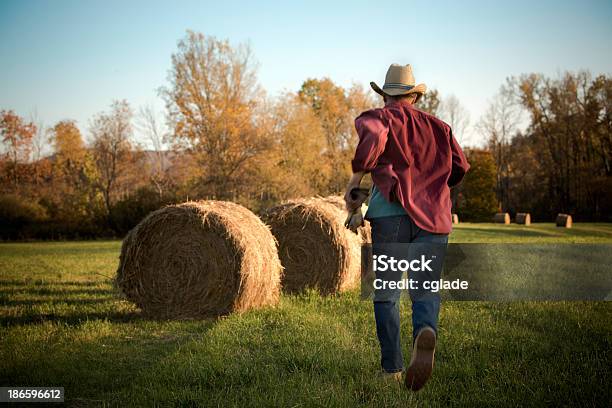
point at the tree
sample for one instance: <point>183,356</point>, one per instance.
<point>430,102</point>
<point>17,137</point>
<point>300,141</point>
<point>571,129</point>
<point>211,101</point>
<point>157,135</point>
<point>452,112</point>
<point>41,167</point>
<point>73,166</point>
<point>112,148</point>
<point>498,125</point>
<point>336,109</point>
<point>330,105</point>
<point>476,201</point>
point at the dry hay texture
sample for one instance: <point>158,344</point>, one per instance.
<point>316,250</point>
<point>199,259</point>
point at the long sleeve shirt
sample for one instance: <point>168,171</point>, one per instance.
<point>413,159</point>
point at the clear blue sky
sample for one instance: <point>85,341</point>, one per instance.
<point>70,59</point>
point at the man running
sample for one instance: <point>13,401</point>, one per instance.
<point>413,160</point>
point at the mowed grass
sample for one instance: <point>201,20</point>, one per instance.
<point>62,324</point>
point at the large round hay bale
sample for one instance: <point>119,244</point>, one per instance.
<point>336,200</point>
<point>564,220</point>
<point>501,218</point>
<point>199,259</point>
<point>365,232</point>
<point>455,219</point>
<point>523,218</point>
<point>316,250</point>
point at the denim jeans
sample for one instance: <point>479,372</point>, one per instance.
<point>401,229</point>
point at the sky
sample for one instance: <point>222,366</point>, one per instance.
<point>70,59</point>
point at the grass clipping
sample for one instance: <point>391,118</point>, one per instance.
<point>316,250</point>
<point>199,259</point>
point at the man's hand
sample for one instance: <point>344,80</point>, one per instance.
<point>351,203</point>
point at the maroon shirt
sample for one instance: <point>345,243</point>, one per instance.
<point>413,158</point>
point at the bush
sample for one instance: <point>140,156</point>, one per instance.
<point>476,195</point>
<point>127,213</point>
<point>18,215</point>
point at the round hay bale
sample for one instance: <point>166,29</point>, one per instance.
<point>315,249</point>
<point>365,232</point>
<point>336,200</point>
<point>564,220</point>
<point>501,218</point>
<point>455,219</point>
<point>523,218</point>
<point>199,259</point>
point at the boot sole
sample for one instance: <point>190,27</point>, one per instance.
<point>421,366</point>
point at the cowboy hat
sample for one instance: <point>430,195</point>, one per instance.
<point>399,81</point>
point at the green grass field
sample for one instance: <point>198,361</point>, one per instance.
<point>62,324</point>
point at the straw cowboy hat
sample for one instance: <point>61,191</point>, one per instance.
<point>399,81</point>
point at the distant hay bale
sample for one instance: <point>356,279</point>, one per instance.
<point>564,220</point>
<point>315,249</point>
<point>523,218</point>
<point>501,218</point>
<point>199,259</point>
<point>455,219</point>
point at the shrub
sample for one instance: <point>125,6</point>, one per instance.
<point>476,195</point>
<point>128,212</point>
<point>17,215</point>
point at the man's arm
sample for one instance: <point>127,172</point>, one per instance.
<point>460,165</point>
<point>372,132</point>
<point>354,182</point>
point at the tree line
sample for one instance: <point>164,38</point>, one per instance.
<point>221,137</point>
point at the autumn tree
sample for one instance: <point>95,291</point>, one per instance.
<point>73,169</point>
<point>336,109</point>
<point>17,135</point>
<point>211,100</point>
<point>476,194</point>
<point>299,143</point>
<point>571,130</point>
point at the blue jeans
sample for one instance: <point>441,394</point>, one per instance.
<point>401,229</point>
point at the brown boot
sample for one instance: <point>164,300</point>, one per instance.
<point>422,359</point>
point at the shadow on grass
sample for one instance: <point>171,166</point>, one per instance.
<point>47,291</point>
<point>561,350</point>
<point>42,282</point>
<point>72,319</point>
<point>510,232</point>
<point>51,302</point>
<point>55,288</point>
<point>97,369</point>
